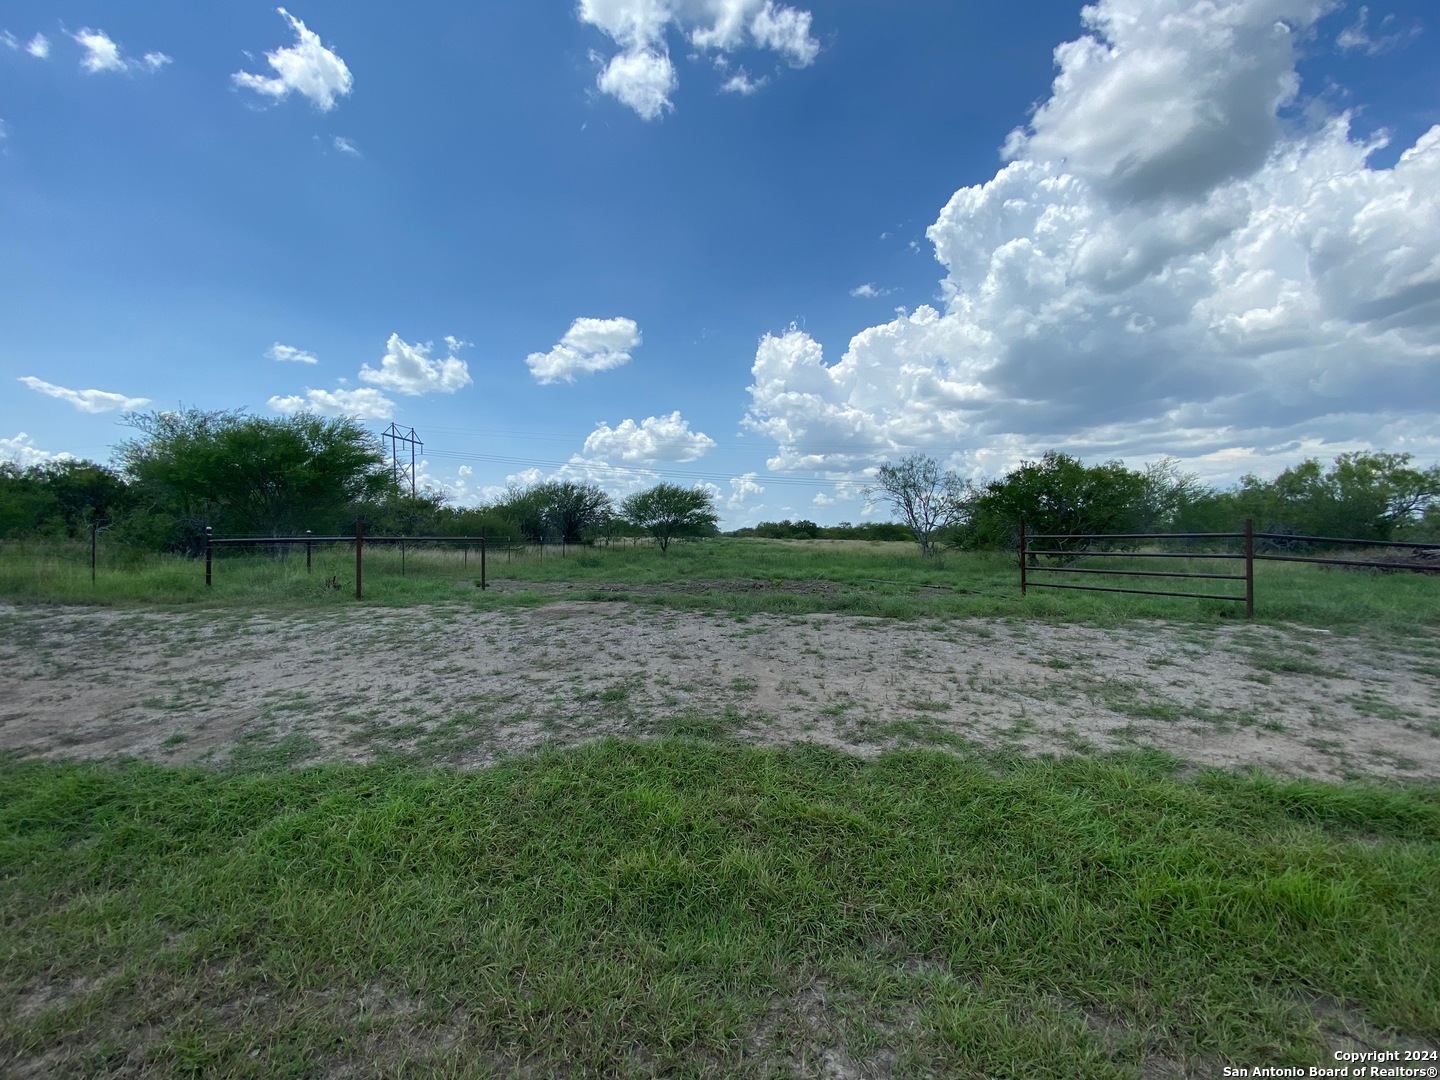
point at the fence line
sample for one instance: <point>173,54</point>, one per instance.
<point>1249,536</point>
<point>359,539</point>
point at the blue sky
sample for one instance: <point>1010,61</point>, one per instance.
<point>732,242</point>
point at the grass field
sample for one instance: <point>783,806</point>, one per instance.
<point>690,906</point>
<point>741,576</point>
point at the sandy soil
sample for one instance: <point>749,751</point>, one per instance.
<point>459,686</point>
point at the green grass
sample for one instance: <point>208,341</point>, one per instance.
<point>739,577</point>
<point>689,908</point>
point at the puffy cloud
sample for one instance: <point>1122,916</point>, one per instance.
<point>656,438</point>
<point>641,74</point>
<point>23,451</point>
<point>1104,297</point>
<point>460,491</point>
<point>787,31</point>
<point>642,79</point>
<point>408,369</point>
<point>743,488</point>
<point>90,401</point>
<point>38,47</point>
<point>590,345</point>
<point>363,404</point>
<point>307,68</point>
<point>288,353</point>
<point>615,480</point>
<point>1170,97</point>
<point>101,53</point>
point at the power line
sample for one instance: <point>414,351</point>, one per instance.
<point>726,477</point>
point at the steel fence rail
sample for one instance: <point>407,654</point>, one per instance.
<point>1029,554</point>
<point>1248,536</point>
<point>359,540</point>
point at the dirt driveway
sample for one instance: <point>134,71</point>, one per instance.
<point>465,687</point>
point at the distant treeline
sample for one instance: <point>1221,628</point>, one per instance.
<point>244,475</point>
<point>808,530</point>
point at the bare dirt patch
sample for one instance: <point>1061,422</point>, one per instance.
<point>466,687</point>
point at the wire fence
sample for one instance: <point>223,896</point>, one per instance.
<point>1257,547</point>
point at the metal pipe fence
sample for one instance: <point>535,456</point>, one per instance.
<point>1029,557</point>
<point>360,539</point>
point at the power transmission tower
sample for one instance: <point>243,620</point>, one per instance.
<point>402,471</point>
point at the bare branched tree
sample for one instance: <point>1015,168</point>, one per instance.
<point>927,499</point>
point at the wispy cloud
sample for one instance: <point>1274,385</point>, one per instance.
<point>869,289</point>
<point>290,354</point>
<point>90,401</point>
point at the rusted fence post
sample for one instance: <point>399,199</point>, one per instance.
<point>359,543</point>
<point>207,555</point>
<point>1249,568</point>
<point>1022,556</point>
<point>483,586</point>
<point>308,534</point>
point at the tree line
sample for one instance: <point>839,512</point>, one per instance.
<point>1359,496</point>
<point>246,475</point>
<point>243,475</point>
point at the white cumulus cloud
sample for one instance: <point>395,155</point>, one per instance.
<point>23,451</point>
<point>1169,97</point>
<point>102,53</point>
<point>642,79</point>
<point>1162,268</point>
<point>90,401</point>
<point>656,438</point>
<point>38,47</point>
<point>363,404</point>
<point>408,369</point>
<point>641,74</point>
<point>307,68</point>
<point>743,488</point>
<point>590,345</point>
<point>290,354</point>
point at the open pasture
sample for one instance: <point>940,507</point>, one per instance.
<point>755,809</point>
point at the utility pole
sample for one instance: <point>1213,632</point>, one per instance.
<point>403,472</point>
